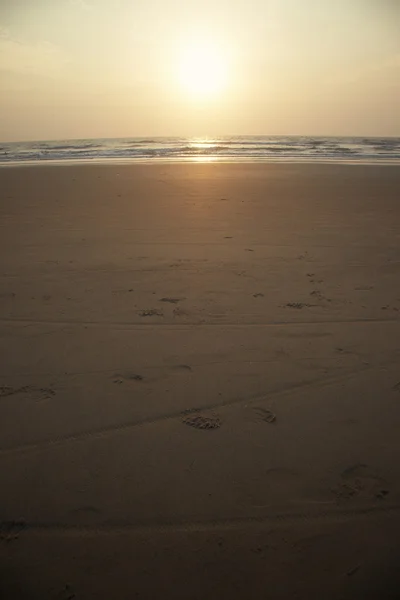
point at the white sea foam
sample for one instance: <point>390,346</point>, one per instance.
<point>233,148</point>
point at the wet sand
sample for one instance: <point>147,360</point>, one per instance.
<point>199,381</point>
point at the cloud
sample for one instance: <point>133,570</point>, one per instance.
<point>21,57</point>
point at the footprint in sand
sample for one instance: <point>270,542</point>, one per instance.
<point>320,296</point>
<point>10,530</point>
<point>119,379</point>
<point>309,275</point>
<point>180,312</point>
<point>361,481</point>
<point>264,414</point>
<point>298,305</point>
<point>67,593</point>
<point>202,421</point>
<point>151,312</point>
<point>340,350</point>
<point>171,300</point>
<point>181,367</point>
<point>317,294</point>
<point>37,393</point>
<point>6,390</point>
<point>388,307</point>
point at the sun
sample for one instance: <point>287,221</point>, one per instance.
<point>203,70</point>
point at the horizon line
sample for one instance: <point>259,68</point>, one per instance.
<point>198,137</point>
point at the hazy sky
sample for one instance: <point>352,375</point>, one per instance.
<point>113,68</point>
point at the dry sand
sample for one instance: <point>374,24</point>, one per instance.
<point>200,382</point>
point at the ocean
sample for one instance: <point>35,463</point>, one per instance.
<point>229,148</point>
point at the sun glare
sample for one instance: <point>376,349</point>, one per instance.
<point>203,70</point>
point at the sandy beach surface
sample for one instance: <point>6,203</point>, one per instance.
<point>200,382</point>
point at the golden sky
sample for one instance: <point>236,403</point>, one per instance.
<point>119,68</point>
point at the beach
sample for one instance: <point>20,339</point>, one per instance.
<point>199,381</point>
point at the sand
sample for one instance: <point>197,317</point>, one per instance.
<point>199,382</point>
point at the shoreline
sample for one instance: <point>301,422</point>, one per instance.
<point>384,162</point>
